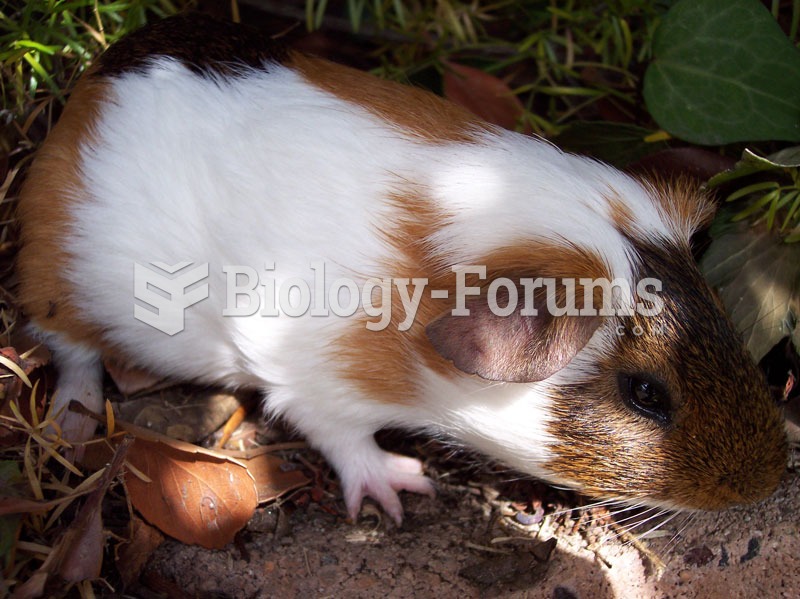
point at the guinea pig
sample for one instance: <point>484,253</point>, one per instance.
<point>215,208</point>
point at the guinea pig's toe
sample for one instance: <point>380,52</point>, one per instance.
<point>75,429</point>
<point>382,482</point>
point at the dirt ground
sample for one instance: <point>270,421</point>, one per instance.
<point>469,543</point>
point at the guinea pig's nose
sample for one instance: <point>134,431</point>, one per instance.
<point>752,481</point>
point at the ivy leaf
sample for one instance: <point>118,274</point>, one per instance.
<point>758,279</point>
<point>723,71</point>
<point>753,163</point>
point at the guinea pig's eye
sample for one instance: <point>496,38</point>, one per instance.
<point>646,396</point>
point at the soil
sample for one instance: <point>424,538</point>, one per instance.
<point>470,541</point>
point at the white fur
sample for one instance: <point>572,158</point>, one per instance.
<point>267,168</point>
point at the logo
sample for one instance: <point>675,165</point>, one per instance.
<point>165,294</point>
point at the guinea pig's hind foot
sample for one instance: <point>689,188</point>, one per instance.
<point>373,472</point>
<point>80,375</point>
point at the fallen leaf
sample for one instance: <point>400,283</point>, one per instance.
<point>274,476</point>
<point>619,144</point>
<point>31,588</point>
<point>697,163</point>
<point>194,497</point>
<point>84,560</point>
<point>483,94</point>
<point>78,553</point>
<point>81,547</point>
<point>131,380</point>
<point>133,555</point>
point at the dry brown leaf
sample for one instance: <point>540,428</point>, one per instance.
<point>273,476</point>
<point>697,163</point>
<point>133,556</point>
<point>195,495</point>
<point>482,94</point>
<point>130,380</point>
<point>20,505</point>
<point>84,559</point>
<point>31,588</point>
<point>81,548</point>
<point>78,554</point>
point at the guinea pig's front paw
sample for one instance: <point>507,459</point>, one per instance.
<point>75,429</point>
<point>381,478</point>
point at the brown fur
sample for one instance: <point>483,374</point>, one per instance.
<point>53,185</point>
<point>421,113</point>
<point>622,216</point>
<point>385,364</point>
<point>684,204</point>
<point>681,201</point>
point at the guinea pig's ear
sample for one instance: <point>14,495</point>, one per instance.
<point>513,348</point>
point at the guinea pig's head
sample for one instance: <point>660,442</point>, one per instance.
<point>663,406</point>
<point>672,410</point>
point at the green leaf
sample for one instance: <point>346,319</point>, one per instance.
<point>755,206</point>
<point>753,163</point>
<point>758,279</point>
<point>793,197</point>
<point>724,72</point>
<point>786,158</point>
<point>50,50</point>
<point>740,193</point>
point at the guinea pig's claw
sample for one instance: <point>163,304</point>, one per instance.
<point>397,473</point>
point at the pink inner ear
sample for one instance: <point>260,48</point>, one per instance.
<point>514,348</point>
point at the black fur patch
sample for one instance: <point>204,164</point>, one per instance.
<point>206,45</point>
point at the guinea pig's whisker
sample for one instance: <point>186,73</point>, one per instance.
<point>637,518</point>
<point>690,518</point>
<point>630,527</point>
<point>636,514</point>
<point>664,522</point>
<point>625,525</point>
<point>603,502</point>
